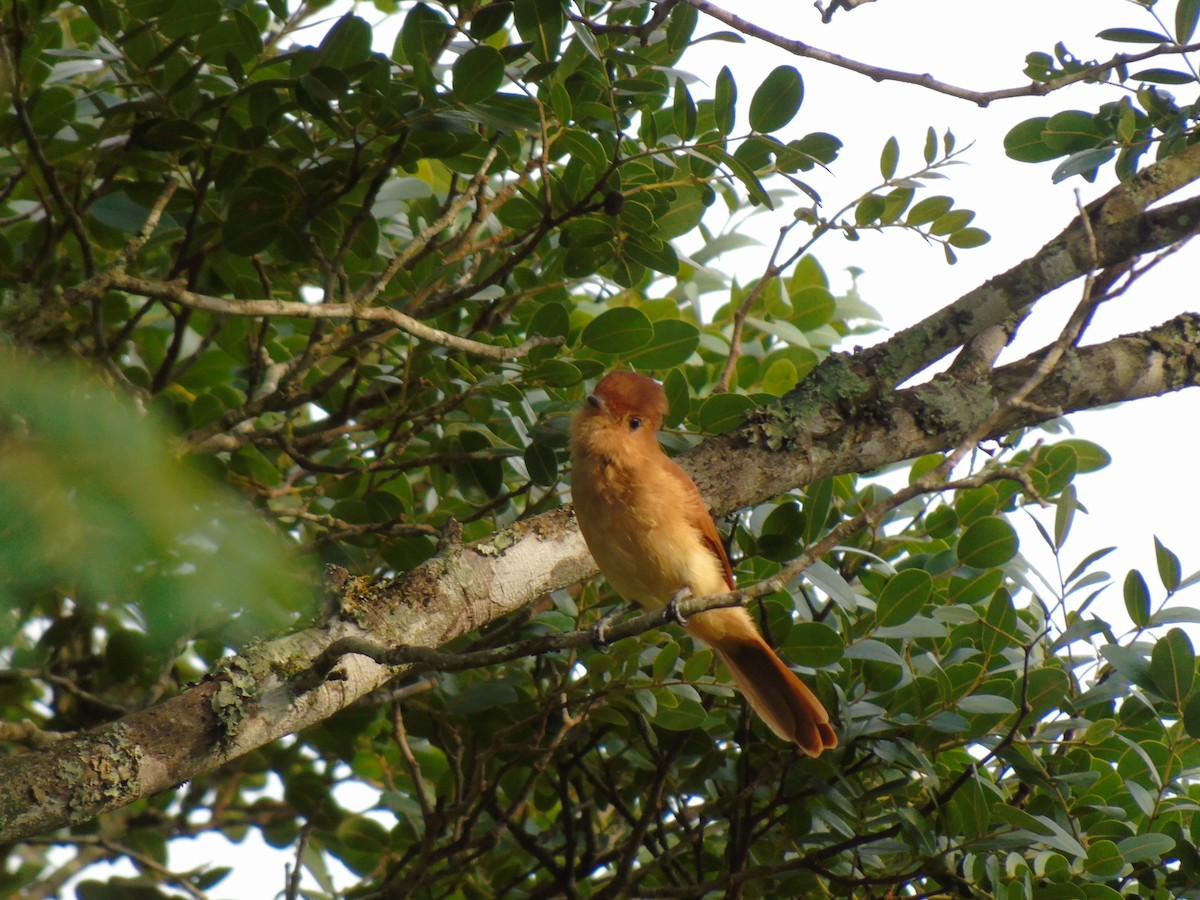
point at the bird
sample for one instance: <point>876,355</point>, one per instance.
<point>653,538</point>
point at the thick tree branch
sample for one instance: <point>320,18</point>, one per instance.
<point>270,690</point>
<point>1121,228</point>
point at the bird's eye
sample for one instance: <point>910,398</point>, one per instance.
<point>635,423</point>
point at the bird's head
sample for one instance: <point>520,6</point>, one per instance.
<point>624,410</point>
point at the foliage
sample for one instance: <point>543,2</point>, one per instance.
<point>364,290</point>
<point>1149,116</point>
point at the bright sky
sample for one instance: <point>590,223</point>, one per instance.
<point>1150,488</point>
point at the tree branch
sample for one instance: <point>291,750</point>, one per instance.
<point>175,292</point>
<point>927,81</point>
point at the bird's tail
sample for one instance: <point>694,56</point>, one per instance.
<point>781,699</point>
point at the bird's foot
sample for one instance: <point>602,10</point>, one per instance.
<point>673,604</point>
<point>600,629</point>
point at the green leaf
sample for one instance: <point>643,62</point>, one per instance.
<point>541,464</point>
<point>905,594</point>
<point>652,253</point>
<point>1173,666</point>
<point>1071,130</point>
<point>779,328</point>
<point>664,661</point>
<point>777,100</point>
<point>725,100</point>
<point>1056,466</point>
<point>1163,76</point>
<point>678,397</point>
<point>1104,860</point>
<point>582,146</point>
<point>1130,663</point>
<point>1082,163</point>
<point>166,547</point>
<point>1137,598</point>
<point>952,221</point>
<point>969,238</point>
<point>1134,36</point>
<point>1064,515</point>
<point>818,498</point>
<point>929,209</point>
<point>541,23</point>
<point>587,231</point>
<point>1025,142</point>
<point>422,35</point>
<point>986,704</point>
<point>673,343</point>
<point>347,44</point>
<point>484,695</point>
<point>916,627</point>
<point>683,111</point>
<point>889,158</point>
<point>721,412</point>
<point>1089,457</point>
<point>520,213</point>
<point>364,834</point>
<point>931,145</point>
<point>478,73</point>
<point>696,666</point>
<point>1168,566</point>
<point>1186,14</point>
<point>490,18</point>
<point>818,148</point>
<point>869,210</point>
<point>1145,847</point>
<point>743,173</point>
<point>874,651</point>
<point>989,542</point>
<point>551,320</point>
<point>1191,717</point>
<point>620,330</point>
<point>683,214</point>
<point>813,644</point>
<point>781,376</point>
<point>688,715</point>
<point>118,211</point>
<point>556,373</point>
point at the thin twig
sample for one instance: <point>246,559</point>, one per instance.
<point>175,292</point>
<point>878,73</point>
<point>293,877</point>
<point>369,291</point>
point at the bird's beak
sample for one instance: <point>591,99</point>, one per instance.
<point>595,402</point>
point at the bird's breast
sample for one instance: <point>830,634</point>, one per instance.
<point>636,527</point>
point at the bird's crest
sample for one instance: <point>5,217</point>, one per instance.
<point>623,392</point>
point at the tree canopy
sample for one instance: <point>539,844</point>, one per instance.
<point>292,329</point>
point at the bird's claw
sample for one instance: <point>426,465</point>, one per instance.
<point>600,629</point>
<point>673,605</point>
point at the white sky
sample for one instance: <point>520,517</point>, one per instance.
<point>1151,487</point>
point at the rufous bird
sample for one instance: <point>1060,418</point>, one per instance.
<point>652,536</point>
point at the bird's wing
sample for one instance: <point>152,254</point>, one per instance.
<point>697,513</point>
